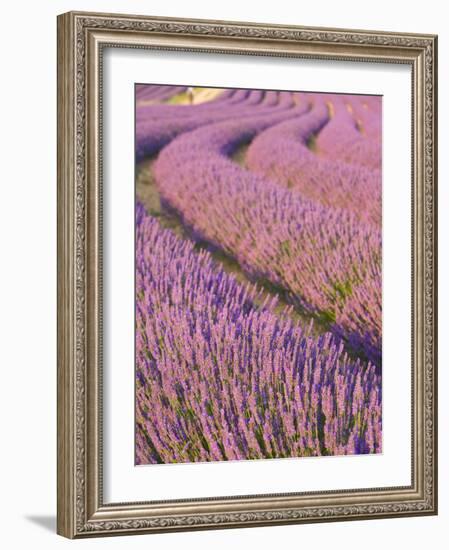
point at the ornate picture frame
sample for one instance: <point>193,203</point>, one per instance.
<point>82,39</point>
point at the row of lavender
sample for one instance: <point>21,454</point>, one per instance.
<point>326,258</point>
<point>346,173</point>
<point>158,125</point>
<point>221,378</point>
<point>156,94</point>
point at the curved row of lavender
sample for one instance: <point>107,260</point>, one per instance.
<point>325,258</point>
<point>156,94</point>
<point>220,376</point>
<point>283,154</point>
<point>158,125</point>
<point>354,133</point>
<point>308,223</point>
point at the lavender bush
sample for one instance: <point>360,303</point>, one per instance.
<point>350,139</point>
<point>221,378</point>
<point>282,154</point>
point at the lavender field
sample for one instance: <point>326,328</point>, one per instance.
<point>258,274</point>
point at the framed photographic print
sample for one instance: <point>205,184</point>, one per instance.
<point>246,274</point>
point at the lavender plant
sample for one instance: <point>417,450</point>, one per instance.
<point>219,376</point>
<point>346,138</point>
<point>282,154</point>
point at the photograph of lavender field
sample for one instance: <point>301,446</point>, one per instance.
<point>258,274</point>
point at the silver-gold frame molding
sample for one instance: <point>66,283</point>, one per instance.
<point>81,39</point>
